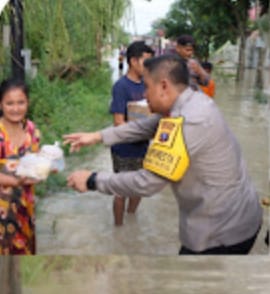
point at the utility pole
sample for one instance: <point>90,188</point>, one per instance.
<point>10,280</point>
<point>16,23</point>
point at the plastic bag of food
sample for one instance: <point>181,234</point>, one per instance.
<point>39,165</point>
<point>32,165</point>
<point>55,154</point>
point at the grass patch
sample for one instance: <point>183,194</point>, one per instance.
<point>37,269</point>
<point>260,96</point>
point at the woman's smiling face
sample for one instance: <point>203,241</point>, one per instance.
<point>14,105</point>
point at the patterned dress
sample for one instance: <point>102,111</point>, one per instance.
<point>17,227</point>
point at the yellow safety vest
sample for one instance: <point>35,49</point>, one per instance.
<point>167,155</point>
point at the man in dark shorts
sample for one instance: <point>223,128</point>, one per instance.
<point>130,87</point>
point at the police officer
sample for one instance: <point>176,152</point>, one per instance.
<point>195,152</point>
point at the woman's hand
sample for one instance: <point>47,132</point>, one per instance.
<point>25,181</point>
<point>16,181</point>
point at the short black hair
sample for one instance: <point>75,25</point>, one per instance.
<point>170,65</point>
<point>186,40</point>
<point>136,49</point>
<point>207,65</point>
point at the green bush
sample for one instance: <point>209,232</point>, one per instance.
<point>58,107</point>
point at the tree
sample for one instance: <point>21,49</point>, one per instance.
<point>68,37</point>
<point>212,23</point>
<point>16,22</point>
<point>202,19</point>
<point>239,10</point>
<point>263,24</point>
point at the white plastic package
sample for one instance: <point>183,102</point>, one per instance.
<point>39,165</point>
<point>34,166</point>
<point>55,154</point>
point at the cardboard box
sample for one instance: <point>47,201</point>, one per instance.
<point>138,109</point>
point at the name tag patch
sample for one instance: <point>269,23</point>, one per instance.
<point>167,155</point>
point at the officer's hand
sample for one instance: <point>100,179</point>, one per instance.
<point>77,180</point>
<point>78,140</point>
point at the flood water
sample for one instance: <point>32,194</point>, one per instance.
<point>156,275</point>
<point>73,223</point>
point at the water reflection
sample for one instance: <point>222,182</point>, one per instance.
<point>249,121</point>
<point>159,275</point>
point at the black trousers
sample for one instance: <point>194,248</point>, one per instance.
<point>267,238</point>
<point>237,249</point>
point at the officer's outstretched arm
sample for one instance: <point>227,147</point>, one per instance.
<point>78,140</point>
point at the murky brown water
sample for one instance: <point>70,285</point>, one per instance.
<point>72,223</point>
<point>250,122</point>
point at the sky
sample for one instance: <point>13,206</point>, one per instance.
<point>2,4</point>
<point>143,13</point>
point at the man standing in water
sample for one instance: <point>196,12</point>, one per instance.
<point>195,152</point>
<point>185,49</point>
<point>129,156</point>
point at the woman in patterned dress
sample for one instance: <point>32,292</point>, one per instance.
<point>18,136</point>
